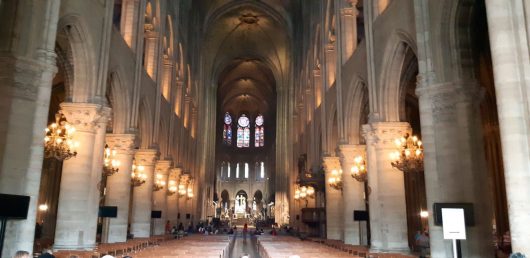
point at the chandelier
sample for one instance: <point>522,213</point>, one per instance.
<point>159,183</point>
<point>304,192</point>
<point>409,156</point>
<point>358,170</point>
<point>190,192</point>
<point>172,187</point>
<point>138,177</point>
<point>58,142</point>
<point>110,164</point>
<point>335,179</point>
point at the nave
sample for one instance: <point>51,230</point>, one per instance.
<point>352,124</point>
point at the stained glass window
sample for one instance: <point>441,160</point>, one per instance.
<point>262,170</point>
<point>237,170</point>
<point>259,134</point>
<point>227,129</point>
<point>228,167</point>
<point>243,132</point>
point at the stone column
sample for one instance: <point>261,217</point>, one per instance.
<point>26,74</point>
<point>129,19</point>
<point>160,197</point>
<point>455,166</point>
<point>118,190</point>
<point>151,52</point>
<point>173,199</point>
<point>142,195</point>
<point>353,195</point>
<point>508,26</point>
<point>331,63</point>
<point>388,214</point>
<point>334,212</point>
<point>77,211</point>
<point>349,30</point>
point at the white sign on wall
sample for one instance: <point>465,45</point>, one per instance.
<point>454,223</point>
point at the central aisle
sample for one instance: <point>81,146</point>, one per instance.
<point>244,246</point>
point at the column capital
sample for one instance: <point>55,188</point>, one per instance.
<point>175,172</point>
<point>348,152</point>
<point>331,163</point>
<point>146,157</point>
<point>122,143</point>
<point>330,47</point>
<point>84,116</point>
<point>316,72</point>
<point>445,96</point>
<point>349,12</point>
<point>163,166</point>
<point>383,134</point>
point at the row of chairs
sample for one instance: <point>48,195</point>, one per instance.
<point>360,251</point>
<point>193,246</point>
<point>114,249</point>
<point>289,247</point>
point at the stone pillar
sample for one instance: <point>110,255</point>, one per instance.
<point>334,212</point>
<point>77,211</point>
<point>173,199</point>
<point>353,195</point>
<point>349,30</point>
<point>331,63</point>
<point>129,21</point>
<point>388,214</point>
<point>151,52</point>
<point>25,79</point>
<point>167,79</point>
<point>508,25</point>
<point>142,195</point>
<point>455,166</point>
<point>118,189</point>
<point>160,197</point>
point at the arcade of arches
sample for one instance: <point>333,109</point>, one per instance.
<point>262,112</point>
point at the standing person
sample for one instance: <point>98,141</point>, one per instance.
<point>46,253</point>
<point>168,227</point>
<point>245,229</point>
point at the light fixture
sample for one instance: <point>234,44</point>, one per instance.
<point>358,170</point>
<point>409,156</point>
<point>335,179</point>
<point>43,207</point>
<point>110,164</point>
<point>159,183</point>
<point>171,187</point>
<point>138,177</point>
<point>424,214</point>
<point>303,193</point>
<point>58,142</point>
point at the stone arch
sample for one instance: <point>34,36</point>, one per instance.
<point>456,33</point>
<point>356,109</point>
<point>73,38</point>
<point>399,48</point>
<point>120,103</point>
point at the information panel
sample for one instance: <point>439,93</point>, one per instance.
<point>454,223</point>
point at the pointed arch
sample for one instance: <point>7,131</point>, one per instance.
<point>74,39</point>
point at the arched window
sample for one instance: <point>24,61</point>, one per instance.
<point>222,169</point>
<point>262,170</point>
<point>228,169</point>
<point>237,170</point>
<point>243,132</point>
<point>259,135</point>
<point>227,129</point>
<point>246,170</point>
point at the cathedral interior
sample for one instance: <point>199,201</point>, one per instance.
<point>342,128</point>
